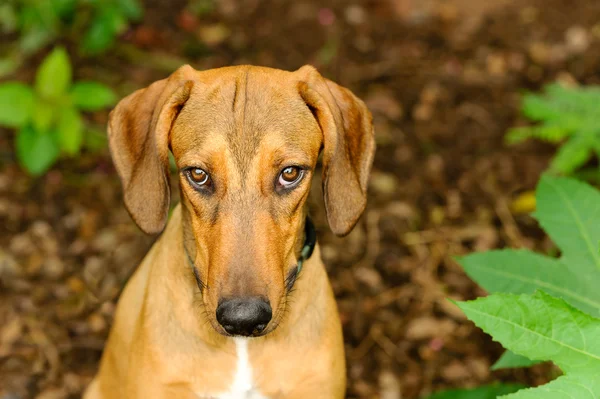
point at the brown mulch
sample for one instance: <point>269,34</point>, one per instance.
<point>442,79</point>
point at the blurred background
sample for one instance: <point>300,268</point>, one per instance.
<point>444,80</point>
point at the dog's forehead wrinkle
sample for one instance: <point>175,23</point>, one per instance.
<point>244,107</point>
<point>244,140</point>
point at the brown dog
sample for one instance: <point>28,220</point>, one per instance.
<point>246,141</point>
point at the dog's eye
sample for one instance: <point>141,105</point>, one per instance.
<point>198,178</point>
<point>290,177</point>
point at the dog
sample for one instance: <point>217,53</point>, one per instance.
<point>233,300</point>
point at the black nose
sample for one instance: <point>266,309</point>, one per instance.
<point>244,316</point>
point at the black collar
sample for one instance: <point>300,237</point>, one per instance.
<point>310,240</point>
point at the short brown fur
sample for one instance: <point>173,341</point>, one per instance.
<point>242,125</point>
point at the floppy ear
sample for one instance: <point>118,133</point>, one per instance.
<point>138,133</point>
<point>348,147</point>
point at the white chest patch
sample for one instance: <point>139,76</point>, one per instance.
<point>242,386</point>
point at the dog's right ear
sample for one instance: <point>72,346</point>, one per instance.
<point>138,133</point>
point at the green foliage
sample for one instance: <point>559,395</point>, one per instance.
<point>543,308</point>
<point>16,104</point>
<point>40,22</point>
<point>48,117</point>
<point>543,327</point>
<point>36,150</point>
<point>110,19</point>
<point>566,116</point>
<point>53,77</point>
<point>90,96</point>
<point>486,392</point>
<point>37,21</point>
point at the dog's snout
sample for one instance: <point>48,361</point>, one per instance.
<point>244,316</point>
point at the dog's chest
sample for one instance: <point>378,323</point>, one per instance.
<point>242,386</point>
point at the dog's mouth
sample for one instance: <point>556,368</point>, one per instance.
<point>278,316</point>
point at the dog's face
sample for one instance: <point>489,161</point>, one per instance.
<point>246,149</point>
<point>246,142</point>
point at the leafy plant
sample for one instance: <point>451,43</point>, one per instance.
<point>543,308</point>
<point>47,116</point>
<point>110,18</point>
<point>543,327</point>
<point>37,21</point>
<point>566,116</point>
<point>40,22</point>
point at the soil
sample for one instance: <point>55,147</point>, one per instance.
<point>442,79</point>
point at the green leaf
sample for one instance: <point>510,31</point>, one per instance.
<point>524,272</point>
<point>542,327</point>
<point>8,18</point>
<point>581,386</point>
<point>36,151</point>
<point>107,24</point>
<point>16,104</point>
<point>98,38</point>
<point>54,75</point>
<point>563,113</point>
<point>131,9</point>
<point>70,131</point>
<point>34,40</point>
<point>64,8</point>
<point>43,115</point>
<point>548,132</point>
<point>485,392</point>
<point>569,212</point>
<point>512,360</point>
<point>573,154</point>
<point>92,96</point>
<point>38,25</point>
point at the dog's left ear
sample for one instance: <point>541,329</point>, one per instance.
<point>348,147</point>
<point>138,134</point>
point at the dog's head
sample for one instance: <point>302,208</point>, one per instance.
<point>246,142</point>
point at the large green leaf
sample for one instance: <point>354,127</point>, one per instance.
<point>485,392</point>
<point>524,272</point>
<point>70,131</point>
<point>569,212</point>
<point>16,104</point>
<point>54,74</point>
<point>580,386</point>
<point>36,151</point>
<point>542,327</point>
<point>92,96</point>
